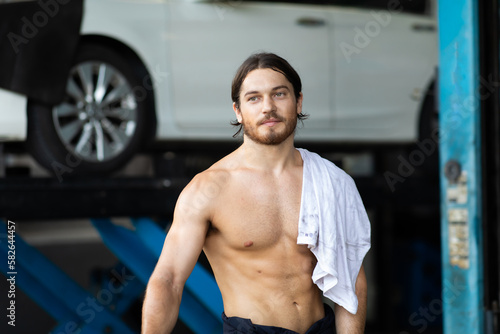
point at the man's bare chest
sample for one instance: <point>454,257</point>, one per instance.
<point>259,211</point>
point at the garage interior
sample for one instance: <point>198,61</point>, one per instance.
<point>433,205</point>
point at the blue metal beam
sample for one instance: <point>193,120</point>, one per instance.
<point>201,305</point>
<point>138,249</point>
<point>60,295</point>
<point>460,162</point>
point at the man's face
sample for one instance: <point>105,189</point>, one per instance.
<point>268,107</point>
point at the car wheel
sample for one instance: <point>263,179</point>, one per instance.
<point>103,120</point>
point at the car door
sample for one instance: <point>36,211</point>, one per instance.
<point>385,56</point>
<point>208,40</point>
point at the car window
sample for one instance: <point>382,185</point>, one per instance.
<point>408,6</point>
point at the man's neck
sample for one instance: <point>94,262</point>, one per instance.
<point>275,158</point>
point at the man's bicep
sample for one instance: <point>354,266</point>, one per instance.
<point>184,241</point>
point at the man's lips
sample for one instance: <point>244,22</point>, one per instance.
<point>270,122</point>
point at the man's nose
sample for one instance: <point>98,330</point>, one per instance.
<point>268,104</point>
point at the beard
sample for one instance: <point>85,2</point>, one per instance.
<point>271,135</point>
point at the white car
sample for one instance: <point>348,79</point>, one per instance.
<point>162,70</point>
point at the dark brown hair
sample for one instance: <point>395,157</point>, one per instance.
<point>260,61</point>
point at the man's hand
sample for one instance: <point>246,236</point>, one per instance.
<point>347,323</point>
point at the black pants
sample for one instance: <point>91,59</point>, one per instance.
<point>237,325</point>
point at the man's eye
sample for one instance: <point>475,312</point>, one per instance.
<point>280,94</point>
<point>252,99</point>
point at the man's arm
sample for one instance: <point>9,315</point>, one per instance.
<point>182,247</point>
<point>347,323</point>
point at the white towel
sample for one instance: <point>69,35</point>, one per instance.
<point>334,224</point>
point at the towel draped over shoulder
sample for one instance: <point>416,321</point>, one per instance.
<point>334,224</point>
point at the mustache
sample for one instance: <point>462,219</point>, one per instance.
<point>272,115</point>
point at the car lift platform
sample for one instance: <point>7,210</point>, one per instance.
<point>47,198</point>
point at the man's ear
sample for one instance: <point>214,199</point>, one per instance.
<point>299,103</point>
<point>237,112</point>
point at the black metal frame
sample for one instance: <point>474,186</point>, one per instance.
<point>490,130</point>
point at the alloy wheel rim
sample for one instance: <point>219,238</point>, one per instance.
<point>98,116</point>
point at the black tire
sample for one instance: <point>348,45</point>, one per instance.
<point>106,116</point>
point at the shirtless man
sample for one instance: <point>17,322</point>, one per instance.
<point>243,213</point>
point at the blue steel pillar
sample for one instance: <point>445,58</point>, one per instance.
<point>460,167</point>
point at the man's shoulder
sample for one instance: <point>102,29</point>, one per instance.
<point>212,180</point>
<point>198,198</point>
